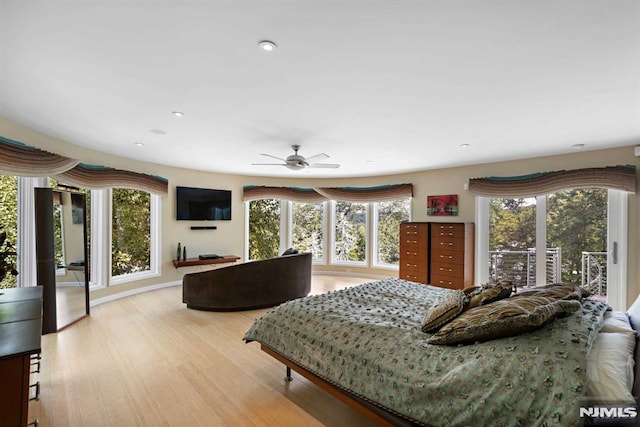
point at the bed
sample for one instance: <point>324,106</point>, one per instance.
<point>365,345</point>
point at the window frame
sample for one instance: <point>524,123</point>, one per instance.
<point>617,232</point>
<point>154,241</point>
<point>333,260</point>
<point>375,246</point>
<point>289,225</point>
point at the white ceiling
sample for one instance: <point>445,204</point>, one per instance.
<point>380,86</point>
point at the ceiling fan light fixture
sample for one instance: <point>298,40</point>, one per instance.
<point>295,166</point>
<point>267,45</point>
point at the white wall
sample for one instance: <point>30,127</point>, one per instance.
<point>229,237</point>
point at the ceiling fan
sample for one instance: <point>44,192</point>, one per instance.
<point>297,161</point>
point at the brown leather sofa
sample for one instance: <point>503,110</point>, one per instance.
<point>250,285</point>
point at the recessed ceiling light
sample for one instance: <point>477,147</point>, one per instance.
<point>267,45</point>
<point>158,132</point>
<point>464,145</point>
<point>138,144</point>
<point>177,113</point>
<point>577,146</point>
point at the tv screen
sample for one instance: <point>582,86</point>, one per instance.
<point>202,204</point>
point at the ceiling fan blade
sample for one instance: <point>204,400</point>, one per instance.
<point>273,157</point>
<point>317,157</point>
<point>269,164</point>
<point>324,165</point>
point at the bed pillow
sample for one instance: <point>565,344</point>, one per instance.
<point>610,368</point>
<point>489,293</point>
<point>444,310</point>
<point>557,291</point>
<point>616,321</point>
<point>504,318</point>
<point>634,314</point>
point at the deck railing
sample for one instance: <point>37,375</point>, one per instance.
<point>520,268</point>
<point>594,272</point>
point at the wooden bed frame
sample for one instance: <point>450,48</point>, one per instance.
<point>376,413</point>
<point>384,417</point>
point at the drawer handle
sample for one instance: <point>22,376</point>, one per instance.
<point>412,253</point>
<point>442,282</point>
<point>37,386</point>
<point>449,256</point>
<point>448,269</point>
<point>412,241</point>
<point>447,234</point>
<point>412,232</point>
<point>412,265</point>
<point>448,244</point>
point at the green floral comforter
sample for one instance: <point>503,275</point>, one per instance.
<point>367,339</point>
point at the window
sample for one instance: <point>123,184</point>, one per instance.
<point>264,228</point>
<point>388,215</point>
<point>8,225</point>
<point>274,225</point>
<point>58,238</point>
<point>350,233</point>
<point>307,228</point>
<point>512,240</point>
<point>130,231</point>
<point>575,229</point>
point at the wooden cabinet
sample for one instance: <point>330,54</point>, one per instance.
<point>451,255</point>
<point>414,251</point>
<point>440,254</point>
<point>20,336</point>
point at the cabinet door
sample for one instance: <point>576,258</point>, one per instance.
<point>14,393</point>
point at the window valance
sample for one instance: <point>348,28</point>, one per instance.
<point>296,194</point>
<point>17,158</point>
<point>367,194</point>
<point>99,177</point>
<point>537,184</point>
<point>349,194</point>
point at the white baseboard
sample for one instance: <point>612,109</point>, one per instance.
<point>350,274</point>
<point>136,291</point>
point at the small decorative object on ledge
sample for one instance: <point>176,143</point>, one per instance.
<point>446,205</point>
<point>184,253</point>
<point>178,252</point>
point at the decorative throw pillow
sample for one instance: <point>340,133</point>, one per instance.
<point>557,291</point>
<point>444,310</point>
<point>507,317</point>
<point>491,292</point>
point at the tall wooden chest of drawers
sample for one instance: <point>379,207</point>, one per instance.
<point>451,255</point>
<point>440,254</point>
<point>414,251</point>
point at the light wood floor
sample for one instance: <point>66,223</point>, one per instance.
<point>147,360</point>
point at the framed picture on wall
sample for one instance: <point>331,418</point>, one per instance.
<point>445,205</point>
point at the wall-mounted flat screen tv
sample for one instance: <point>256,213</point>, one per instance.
<point>202,204</point>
